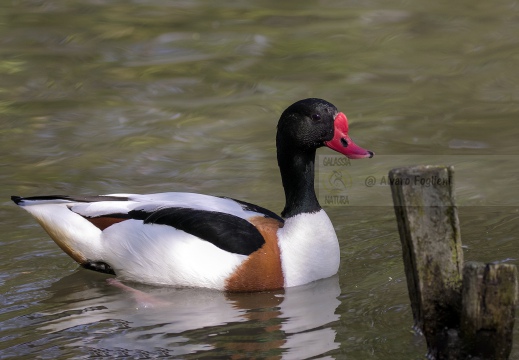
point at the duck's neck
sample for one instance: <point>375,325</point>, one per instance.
<point>297,175</point>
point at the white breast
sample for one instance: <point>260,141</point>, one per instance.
<point>309,248</point>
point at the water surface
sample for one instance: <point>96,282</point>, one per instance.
<point>107,97</point>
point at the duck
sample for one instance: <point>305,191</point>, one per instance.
<point>183,239</point>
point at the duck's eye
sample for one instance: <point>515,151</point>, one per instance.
<point>316,117</point>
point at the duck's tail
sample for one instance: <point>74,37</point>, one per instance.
<point>73,233</point>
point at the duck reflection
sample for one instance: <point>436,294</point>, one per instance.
<point>136,319</point>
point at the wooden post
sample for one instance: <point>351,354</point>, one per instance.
<point>489,298</point>
<point>471,318</point>
<point>429,231</point>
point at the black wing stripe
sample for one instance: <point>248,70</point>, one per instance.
<point>228,232</point>
<point>252,207</point>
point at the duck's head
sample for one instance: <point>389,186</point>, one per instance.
<point>312,123</point>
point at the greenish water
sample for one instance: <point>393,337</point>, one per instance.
<point>106,97</point>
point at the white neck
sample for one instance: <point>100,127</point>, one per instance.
<point>309,248</point>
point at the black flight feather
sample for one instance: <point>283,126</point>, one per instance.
<point>18,199</point>
<point>252,207</point>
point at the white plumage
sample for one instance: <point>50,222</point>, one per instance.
<point>309,248</point>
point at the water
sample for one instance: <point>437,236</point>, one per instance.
<point>106,97</point>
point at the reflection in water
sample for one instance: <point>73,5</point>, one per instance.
<point>291,324</point>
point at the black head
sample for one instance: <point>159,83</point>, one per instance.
<point>311,123</point>
<point>303,127</point>
<point>307,123</point>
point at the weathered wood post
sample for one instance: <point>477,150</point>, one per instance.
<point>452,312</point>
<point>428,224</point>
<point>489,296</point>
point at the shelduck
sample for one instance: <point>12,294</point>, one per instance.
<point>193,240</point>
